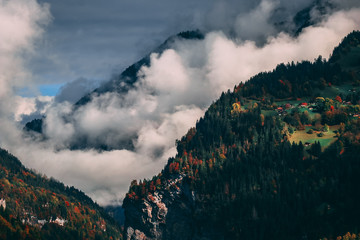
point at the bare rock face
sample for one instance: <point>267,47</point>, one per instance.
<point>165,214</point>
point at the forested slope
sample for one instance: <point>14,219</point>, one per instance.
<point>35,207</point>
<point>238,175</point>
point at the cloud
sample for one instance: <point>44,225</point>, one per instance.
<point>252,20</point>
<point>73,91</point>
<point>175,90</point>
<point>21,24</point>
<point>28,109</point>
<point>255,24</point>
<point>171,94</point>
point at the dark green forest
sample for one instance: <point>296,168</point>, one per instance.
<point>250,180</point>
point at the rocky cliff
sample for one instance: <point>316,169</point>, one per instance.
<point>164,214</point>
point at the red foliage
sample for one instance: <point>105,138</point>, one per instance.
<point>174,167</point>
<point>151,198</point>
<point>67,203</point>
<point>131,195</point>
<point>237,88</point>
<point>282,82</point>
<point>342,151</point>
<point>332,108</point>
<point>338,98</point>
<point>190,159</point>
<point>152,187</point>
<point>143,189</point>
<point>76,210</point>
<point>190,134</point>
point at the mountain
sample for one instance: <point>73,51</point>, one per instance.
<point>277,158</point>
<point>312,14</point>
<point>118,85</point>
<point>123,83</point>
<point>36,207</point>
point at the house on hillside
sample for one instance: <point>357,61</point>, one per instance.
<point>304,104</point>
<point>281,111</point>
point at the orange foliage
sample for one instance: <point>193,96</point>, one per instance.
<point>27,230</point>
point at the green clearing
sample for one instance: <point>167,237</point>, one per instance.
<point>269,113</point>
<point>311,113</point>
<point>333,91</point>
<point>293,102</point>
<point>325,141</point>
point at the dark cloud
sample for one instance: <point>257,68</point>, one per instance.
<point>91,38</point>
<point>73,91</point>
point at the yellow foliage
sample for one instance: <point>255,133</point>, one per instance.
<point>236,108</point>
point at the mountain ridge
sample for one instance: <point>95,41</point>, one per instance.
<point>236,173</point>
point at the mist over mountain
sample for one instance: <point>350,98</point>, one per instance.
<point>138,115</point>
<point>242,123</point>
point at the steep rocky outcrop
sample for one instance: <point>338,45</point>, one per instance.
<point>165,214</point>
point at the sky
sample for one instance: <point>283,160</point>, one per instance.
<point>93,39</point>
<point>67,48</point>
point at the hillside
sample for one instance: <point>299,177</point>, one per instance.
<point>277,158</point>
<point>35,207</point>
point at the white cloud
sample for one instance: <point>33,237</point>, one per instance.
<point>30,108</point>
<point>20,25</point>
<point>172,78</point>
